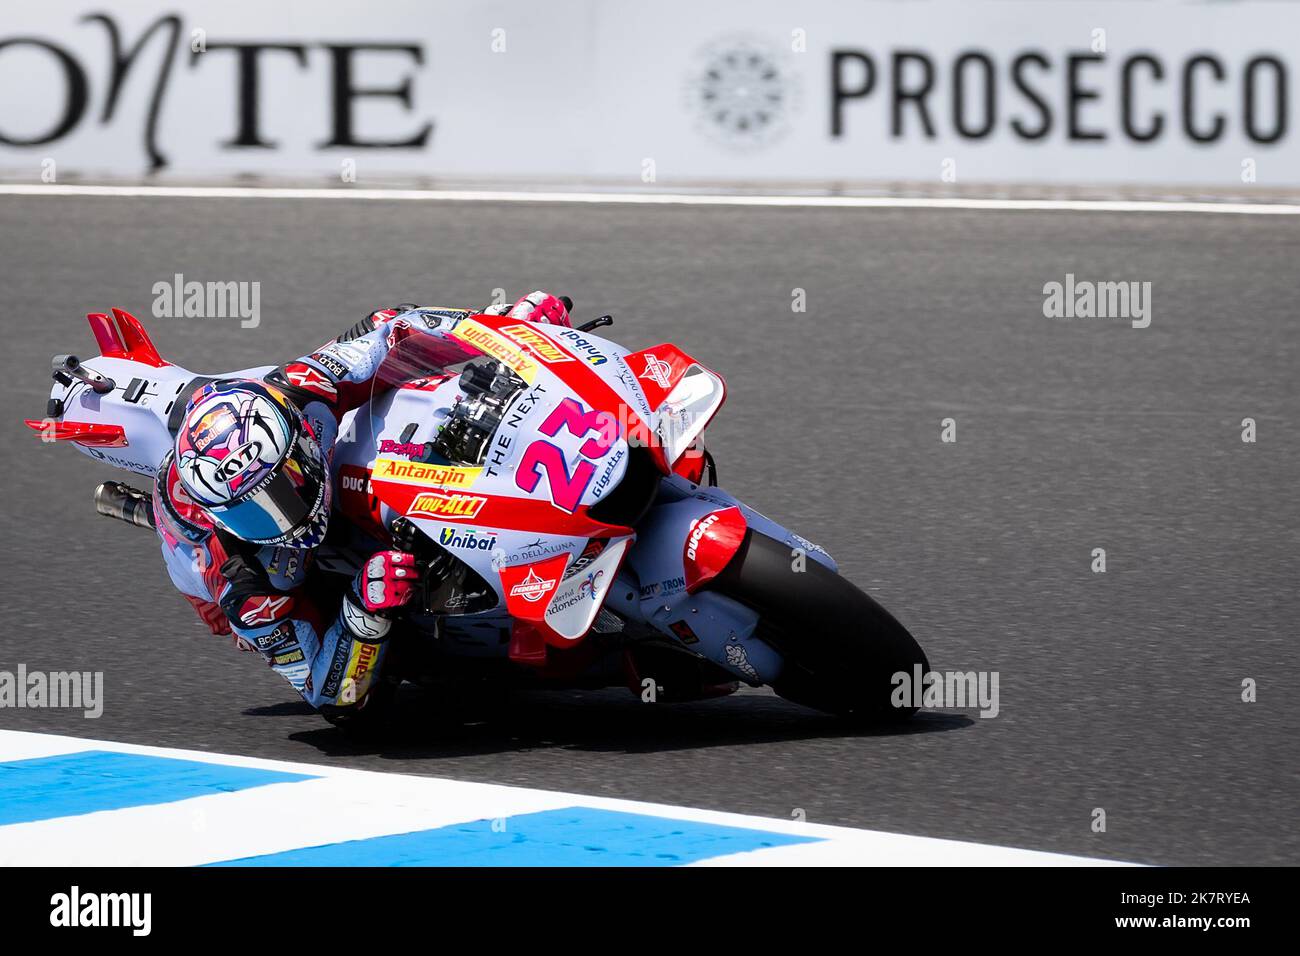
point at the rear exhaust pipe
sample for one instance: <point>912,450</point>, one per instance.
<point>68,367</point>
<point>116,500</point>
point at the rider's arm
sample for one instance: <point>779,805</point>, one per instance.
<point>341,372</point>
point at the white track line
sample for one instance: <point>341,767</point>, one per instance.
<point>649,199</point>
<point>349,804</point>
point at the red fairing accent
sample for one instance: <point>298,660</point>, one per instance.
<point>138,347</point>
<point>498,511</point>
<point>711,544</point>
<point>358,503</point>
<point>83,433</point>
<point>527,644</point>
<point>131,342</point>
<point>658,369</point>
<point>691,465</point>
<point>430,384</point>
<point>528,589</point>
<point>106,335</point>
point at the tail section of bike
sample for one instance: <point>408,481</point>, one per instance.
<point>119,406</point>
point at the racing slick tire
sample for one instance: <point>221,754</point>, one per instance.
<point>841,648</point>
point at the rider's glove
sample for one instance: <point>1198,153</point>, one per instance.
<point>387,581</point>
<point>537,306</point>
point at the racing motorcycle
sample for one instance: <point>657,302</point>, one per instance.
<point>565,515</point>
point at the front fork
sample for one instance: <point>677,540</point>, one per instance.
<point>666,576</point>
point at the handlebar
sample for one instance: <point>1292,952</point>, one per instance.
<point>596,323</point>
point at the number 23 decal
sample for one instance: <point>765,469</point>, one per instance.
<point>543,459</point>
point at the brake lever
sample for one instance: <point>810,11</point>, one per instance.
<point>429,559</point>
<point>596,323</point>
<point>404,534</point>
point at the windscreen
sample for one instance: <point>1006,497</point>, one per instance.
<point>440,400</point>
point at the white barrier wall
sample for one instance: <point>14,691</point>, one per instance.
<point>669,92</point>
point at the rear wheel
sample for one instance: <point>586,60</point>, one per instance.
<point>841,648</point>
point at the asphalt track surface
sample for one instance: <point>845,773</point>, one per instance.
<point>1118,691</point>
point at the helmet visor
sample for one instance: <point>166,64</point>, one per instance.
<point>289,506</point>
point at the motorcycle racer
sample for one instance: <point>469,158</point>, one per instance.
<point>244,499</point>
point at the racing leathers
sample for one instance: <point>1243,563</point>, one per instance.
<point>272,599</point>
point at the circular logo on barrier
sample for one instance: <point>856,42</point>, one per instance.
<point>743,92</point>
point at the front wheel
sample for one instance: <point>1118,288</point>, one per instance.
<point>841,648</point>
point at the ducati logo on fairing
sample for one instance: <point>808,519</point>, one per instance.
<point>698,535</point>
